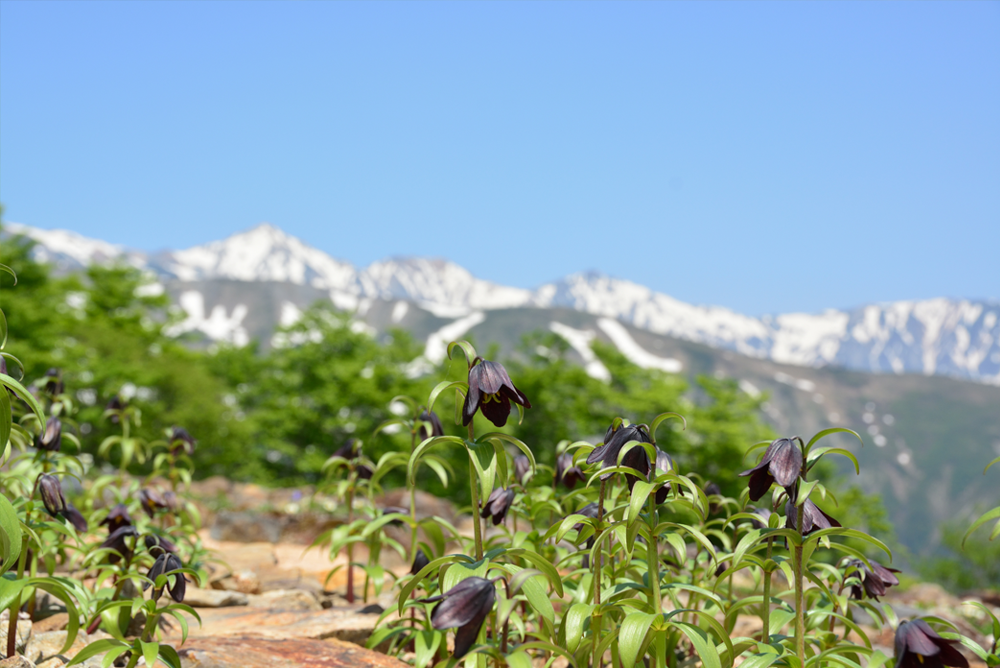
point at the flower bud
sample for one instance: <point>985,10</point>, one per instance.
<point>522,468</point>
<point>51,438</point>
<point>52,495</point>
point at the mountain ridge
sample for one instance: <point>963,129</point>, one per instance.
<point>940,336</point>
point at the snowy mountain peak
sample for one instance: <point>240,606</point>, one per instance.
<point>262,253</point>
<point>935,336</point>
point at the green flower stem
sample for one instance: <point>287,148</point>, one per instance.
<point>16,605</point>
<point>474,488</point>
<point>800,617</point>
<point>350,545</point>
<point>595,567</point>
<point>765,611</point>
<point>653,570</point>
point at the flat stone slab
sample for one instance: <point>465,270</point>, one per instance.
<point>247,622</point>
<point>271,653</point>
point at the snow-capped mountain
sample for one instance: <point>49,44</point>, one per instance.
<point>938,336</point>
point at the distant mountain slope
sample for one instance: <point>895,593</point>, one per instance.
<point>959,338</point>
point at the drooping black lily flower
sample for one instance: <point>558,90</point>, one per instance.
<point>636,458</point>
<point>919,646</point>
<point>120,543</point>
<point>491,390</point>
<point>436,429</point>
<point>51,438</point>
<point>781,463</point>
<point>51,492</point>
<point>152,500</point>
<point>419,561</point>
<point>158,545</point>
<point>75,518</point>
<point>813,519</point>
<point>763,513</point>
<point>522,467</point>
<point>114,407</point>
<point>664,464</point>
<point>171,501</point>
<point>874,581</point>
<point>568,474</point>
<point>711,489</point>
<point>117,518</point>
<point>589,510</point>
<point>53,382</point>
<point>498,504</point>
<point>181,441</point>
<point>164,564</point>
<point>465,607</point>
<point>395,510</point>
<point>350,451</point>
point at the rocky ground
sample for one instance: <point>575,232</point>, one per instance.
<point>273,604</point>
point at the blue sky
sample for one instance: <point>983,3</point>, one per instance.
<point>764,157</point>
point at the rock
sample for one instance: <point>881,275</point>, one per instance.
<point>24,628</point>
<point>213,598</point>
<point>266,653</point>
<point>56,622</point>
<point>244,581</point>
<point>16,661</point>
<point>247,527</point>
<point>339,623</point>
<point>44,647</point>
<point>285,599</point>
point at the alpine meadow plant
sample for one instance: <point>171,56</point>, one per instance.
<point>621,557</point>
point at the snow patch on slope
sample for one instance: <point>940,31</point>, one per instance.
<point>633,351</point>
<point>580,341</point>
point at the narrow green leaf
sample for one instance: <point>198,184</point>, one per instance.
<point>95,648</point>
<point>631,636</point>
<point>576,617</point>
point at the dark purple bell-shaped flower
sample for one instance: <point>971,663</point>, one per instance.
<point>813,519</point>
<point>166,563</point>
<point>874,581</point>
<point>181,441</point>
<point>51,492</point>
<point>567,473</point>
<point>465,607</point>
<point>53,382</point>
<point>152,500</point>
<point>429,418</point>
<point>51,438</point>
<point>117,518</point>
<point>664,464</point>
<point>522,468</point>
<point>114,408</point>
<point>614,440</point>
<point>350,451</point>
<point>781,463</point>
<point>491,390</point>
<point>158,545</point>
<point>498,504</point>
<point>76,518</point>
<point>419,561</point>
<point>120,542</point>
<point>919,646</point>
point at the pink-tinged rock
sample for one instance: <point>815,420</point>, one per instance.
<point>261,653</point>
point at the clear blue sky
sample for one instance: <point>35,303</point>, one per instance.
<point>764,157</point>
